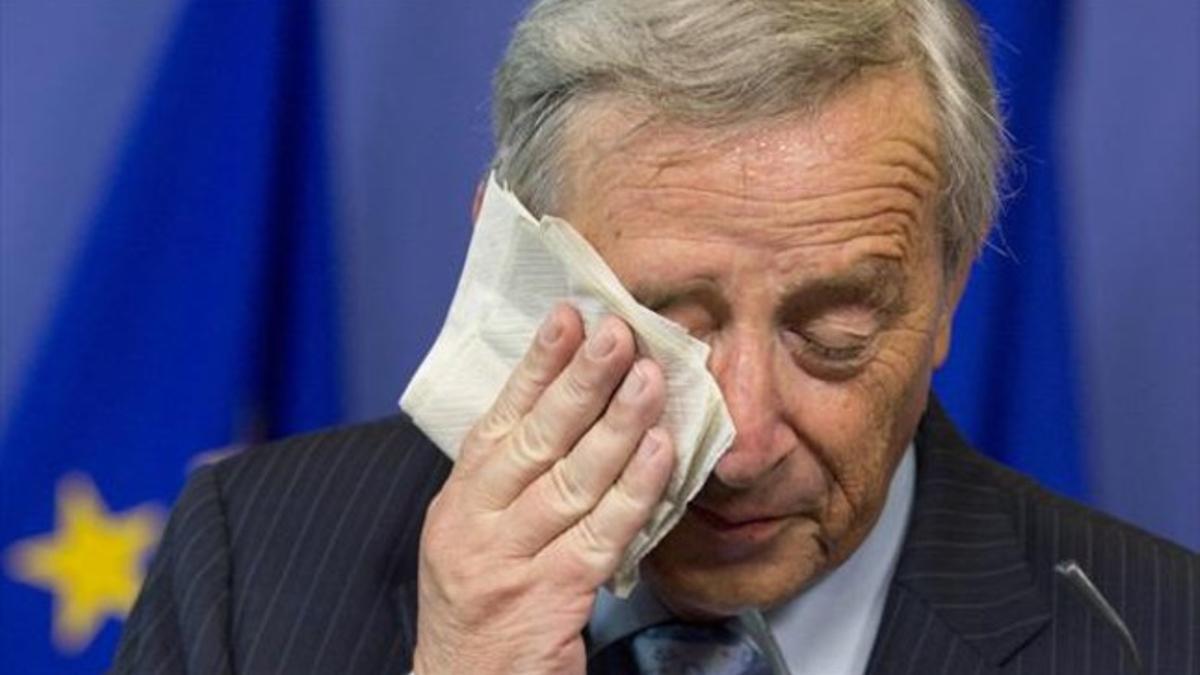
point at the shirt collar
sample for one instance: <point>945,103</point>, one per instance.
<point>613,619</point>
<point>825,625</point>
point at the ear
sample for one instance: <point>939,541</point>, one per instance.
<point>955,285</point>
<point>477,204</point>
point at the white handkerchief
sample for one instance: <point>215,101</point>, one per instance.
<point>517,269</point>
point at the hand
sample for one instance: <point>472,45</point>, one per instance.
<point>550,487</point>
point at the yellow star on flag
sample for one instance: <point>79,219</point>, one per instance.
<point>93,562</point>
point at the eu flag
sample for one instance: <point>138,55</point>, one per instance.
<point>1010,381</point>
<point>199,313</point>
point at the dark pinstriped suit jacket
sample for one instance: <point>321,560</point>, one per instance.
<point>300,557</point>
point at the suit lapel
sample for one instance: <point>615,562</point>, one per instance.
<point>963,598</point>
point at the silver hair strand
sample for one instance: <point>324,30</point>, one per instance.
<point>724,62</point>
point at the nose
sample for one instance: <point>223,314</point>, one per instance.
<point>743,366</point>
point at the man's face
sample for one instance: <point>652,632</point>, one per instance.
<point>804,252</point>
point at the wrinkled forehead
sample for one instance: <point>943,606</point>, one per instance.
<point>885,115</point>
<point>861,167</point>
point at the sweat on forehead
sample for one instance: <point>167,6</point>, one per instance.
<point>864,165</point>
<point>885,117</point>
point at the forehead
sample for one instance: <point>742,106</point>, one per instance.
<point>872,148</point>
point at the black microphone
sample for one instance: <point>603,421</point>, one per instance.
<point>1085,589</point>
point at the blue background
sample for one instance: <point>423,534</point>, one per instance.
<point>1086,333</point>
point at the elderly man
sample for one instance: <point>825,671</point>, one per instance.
<point>802,185</point>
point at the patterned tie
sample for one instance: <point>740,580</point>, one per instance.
<point>698,649</point>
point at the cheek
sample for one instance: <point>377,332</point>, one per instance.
<point>840,423</point>
<point>859,427</point>
<point>841,417</point>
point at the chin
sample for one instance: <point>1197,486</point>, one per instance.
<point>700,574</point>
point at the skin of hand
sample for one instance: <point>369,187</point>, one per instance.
<point>550,487</point>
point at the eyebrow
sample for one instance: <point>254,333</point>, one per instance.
<point>876,282</point>
<point>702,290</point>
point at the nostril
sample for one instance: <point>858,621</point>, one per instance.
<point>760,447</point>
<point>742,467</point>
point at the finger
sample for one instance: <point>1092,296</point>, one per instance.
<point>556,341</point>
<point>573,486</point>
<point>567,408</point>
<point>592,549</point>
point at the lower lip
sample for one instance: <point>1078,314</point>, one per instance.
<point>751,532</point>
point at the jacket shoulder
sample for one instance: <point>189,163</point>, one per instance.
<point>1061,527</point>
<point>1153,584</point>
<point>1039,512</point>
<point>341,482</point>
<point>391,443</point>
<point>323,530</point>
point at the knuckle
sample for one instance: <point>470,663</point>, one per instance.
<point>626,499</point>
<point>579,387</point>
<point>625,418</point>
<point>530,444</point>
<point>485,432</point>
<point>592,543</point>
<point>495,423</point>
<point>572,497</point>
<point>536,371</point>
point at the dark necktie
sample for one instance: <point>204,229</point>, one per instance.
<point>697,649</point>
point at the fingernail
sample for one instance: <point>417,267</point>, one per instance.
<point>601,343</point>
<point>551,329</point>
<point>650,444</point>
<point>633,385</point>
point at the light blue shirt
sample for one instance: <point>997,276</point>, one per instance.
<point>830,628</point>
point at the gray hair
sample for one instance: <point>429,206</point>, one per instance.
<point>722,62</point>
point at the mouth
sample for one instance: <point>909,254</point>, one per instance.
<point>744,529</point>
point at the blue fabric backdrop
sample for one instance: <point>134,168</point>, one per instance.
<point>198,314</point>
<point>1010,380</point>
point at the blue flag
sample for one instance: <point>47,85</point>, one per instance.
<point>1010,381</point>
<point>199,314</point>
